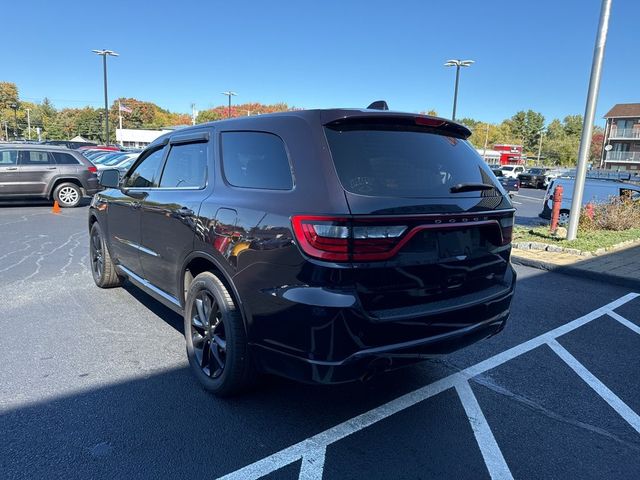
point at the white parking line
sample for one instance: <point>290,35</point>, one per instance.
<point>516,203</point>
<point>625,322</point>
<point>309,448</point>
<point>493,459</point>
<point>600,388</point>
<point>530,198</point>
<point>313,465</point>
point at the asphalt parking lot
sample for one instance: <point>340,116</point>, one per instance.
<point>528,204</point>
<point>95,384</point>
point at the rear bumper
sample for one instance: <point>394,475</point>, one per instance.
<point>345,344</point>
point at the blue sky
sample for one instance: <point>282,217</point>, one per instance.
<point>317,54</point>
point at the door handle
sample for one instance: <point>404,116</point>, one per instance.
<point>12,168</point>
<point>52,168</point>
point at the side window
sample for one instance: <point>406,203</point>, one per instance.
<point>146,174</point>
<point>65,159</point>
<point>256,160</point>
<point>186,166</point>
<point>8,157</point>
<point>34,157</point>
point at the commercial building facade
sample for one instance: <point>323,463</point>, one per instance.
<point>138,138</point>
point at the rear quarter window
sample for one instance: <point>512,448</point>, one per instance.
<point>256,160</point>
<point>64,159</point>
<point>401,163</point>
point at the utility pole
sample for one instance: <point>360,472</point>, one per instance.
<point>105,53</point>
<point>28,110</point>
<point>540,148</point>
<point>229,94</point>
<point>486,140</point>
<point>193,114</point>
<point>6,131</point>
<point>120,114</point>
<point>589,115</point>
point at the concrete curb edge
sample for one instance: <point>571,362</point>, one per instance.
<point>578,272</point>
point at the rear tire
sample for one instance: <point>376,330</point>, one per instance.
<point>68,195</point>
<point>102,267</point>
<point>217,346</point>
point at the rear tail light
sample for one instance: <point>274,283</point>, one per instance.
<point>93,169</point>
<point>506,225</point>
<point>342,239</point>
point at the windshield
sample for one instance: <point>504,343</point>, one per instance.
<point>404,162</point>
<point>536,171</point>
<point>498,173</point>
<point>508,169</point>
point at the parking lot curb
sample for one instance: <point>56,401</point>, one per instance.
<point>578,272</point>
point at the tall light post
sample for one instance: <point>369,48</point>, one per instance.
<point>458,64</point>
<point>587,124</point>
<point>229,94</point>
<point>14,107</point>
<point>105,54</point>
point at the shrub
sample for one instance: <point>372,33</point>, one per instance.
<point>618,214</point>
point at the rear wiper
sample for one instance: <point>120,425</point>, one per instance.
<point>470,187</point>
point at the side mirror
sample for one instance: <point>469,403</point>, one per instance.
<point>110,178</point>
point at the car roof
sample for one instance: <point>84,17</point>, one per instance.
<point>599,182</point>
<point>32,146</point>
<point>320,117</point>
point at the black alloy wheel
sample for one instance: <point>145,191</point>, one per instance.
<point>97,257</point>
<point>217,345</point>
<point>208,334</point>
<point>102,267</point>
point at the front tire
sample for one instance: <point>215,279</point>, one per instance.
<point>217,346</point>
<point>68,195</point>
<point>102,267</point>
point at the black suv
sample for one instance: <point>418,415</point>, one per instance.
<point>47,172</point>
<point>321,245</point>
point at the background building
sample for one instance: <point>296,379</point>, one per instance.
<point>622,137</point>
<point>137,138</point>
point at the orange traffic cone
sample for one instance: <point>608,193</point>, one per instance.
<point>56,208</point>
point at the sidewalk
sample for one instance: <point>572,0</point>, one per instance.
<point>619,267</point>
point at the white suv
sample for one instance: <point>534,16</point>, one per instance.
<point>512,171</point>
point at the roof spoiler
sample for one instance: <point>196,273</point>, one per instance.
<point>378,105</point>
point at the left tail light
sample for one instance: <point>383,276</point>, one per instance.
<point>93,169</point>
<point>341,239</point>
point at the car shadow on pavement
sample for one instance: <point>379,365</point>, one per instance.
<point>165,426</point>
<point>170,317</point>
<point>38,203</point>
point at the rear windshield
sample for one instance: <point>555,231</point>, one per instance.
<point>405,163</point>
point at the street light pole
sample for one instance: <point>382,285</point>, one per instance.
<point>14,107</point>
<point>105,53</point>
<point>587,124</point>
<point>229,94</point>
<point>458,64</point>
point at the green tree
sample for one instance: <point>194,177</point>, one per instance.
<point>527,127</point>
